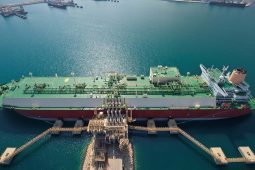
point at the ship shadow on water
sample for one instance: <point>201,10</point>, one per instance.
<point>234,129</point>
<point>30,152</point>
<point>12,122</point>
<point>46,142</point>
<point>226,133</point>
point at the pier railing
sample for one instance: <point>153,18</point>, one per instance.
<point>218,159</point>
<point>42,135</point>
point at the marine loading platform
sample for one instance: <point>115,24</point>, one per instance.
<point>110,145</point>
<point>113,103</point>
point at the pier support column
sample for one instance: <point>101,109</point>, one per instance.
<point>78,124</point>
<point>172,124</point>
<point>151,126</point>
<point>57,124</point>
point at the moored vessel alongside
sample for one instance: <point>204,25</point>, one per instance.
<point>228,3</point>
<point>164,94</point>
<point>57,4</point>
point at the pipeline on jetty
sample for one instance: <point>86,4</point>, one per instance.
<point>215,152</point>
<point>110,145</point>
<point>11,152</point>
<point>101,132</point>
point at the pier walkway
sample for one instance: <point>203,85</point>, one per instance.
<point>216,152</point>
<point>6,158</point>
<point>247,155</point>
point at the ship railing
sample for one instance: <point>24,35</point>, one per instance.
<point>126,91</point>
<point>216,157</point>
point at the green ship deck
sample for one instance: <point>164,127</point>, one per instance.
<point>163,82</point>
<point>85,86</point>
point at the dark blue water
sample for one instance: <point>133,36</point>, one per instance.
<point>129,36</point>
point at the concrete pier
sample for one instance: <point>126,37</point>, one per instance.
<point>247,153</point>
<point>110,148</point>
<point>88,156</point>
<point>221,158</point>
<point>107,156</point>
<point>57,124</point>
<point>114,163</point>
<point>215,152</point>
<point>172,124</point>
<point>151,127</point>
<point>12,9</point>
<point>110,136</point>
<point>78,124</point>
<point>9,153</point>
<point>5,157</point>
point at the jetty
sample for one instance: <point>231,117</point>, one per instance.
<point>17,9</point>
<point>23,3</point>
<point>113,140</point>
<point>10,152</point>
<point>9,11</point>
<point>110,146</point>
<point>247,155</point>
<point>151,125</point>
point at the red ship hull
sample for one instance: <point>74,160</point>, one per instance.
<point>199,114</point>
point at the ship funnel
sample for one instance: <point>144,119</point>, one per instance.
<point>237,76</point>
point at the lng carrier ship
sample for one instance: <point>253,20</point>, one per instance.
<point>164,94</point>
<point>231,3</point>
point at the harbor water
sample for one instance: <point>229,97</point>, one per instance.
<point>128,37</point>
